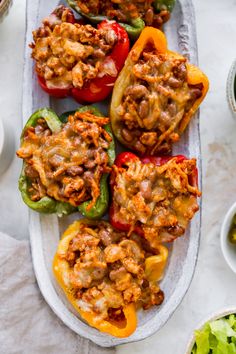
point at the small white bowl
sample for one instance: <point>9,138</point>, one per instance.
<point>7,147</point>
<point>215,316</point>
<point>228,249</point>
<point>231,87</point>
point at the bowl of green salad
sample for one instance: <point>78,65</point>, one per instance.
<point>217,335</point>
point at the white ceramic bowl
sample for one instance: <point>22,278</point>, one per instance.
<point>228,249</point>
<point>231,87</point>
<point>7,146</point>
<point>213,317</point>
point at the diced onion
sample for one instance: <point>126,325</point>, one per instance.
<point>108,68</point>
<point>58,84</point>
<point>85,306</point>
<point>52,20</point>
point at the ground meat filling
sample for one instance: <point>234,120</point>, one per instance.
<point>70,55</point>
<point>107,272</point>
<point>67,165</point>
<point>155,102</point>
<point>158,198</point>
<point>126,10</point>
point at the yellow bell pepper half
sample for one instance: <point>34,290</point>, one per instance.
<point>61,270</point>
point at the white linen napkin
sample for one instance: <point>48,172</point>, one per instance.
<point>27,324</point>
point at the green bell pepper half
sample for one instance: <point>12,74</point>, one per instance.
<point>135,27</point>
<point>49,205</point>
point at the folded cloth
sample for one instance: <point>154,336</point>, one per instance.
<point>27,324</point>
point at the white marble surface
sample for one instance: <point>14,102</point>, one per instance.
<point>214,284</point>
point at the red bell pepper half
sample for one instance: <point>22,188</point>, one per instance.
<point>121,161</point>
<point>97,89</point>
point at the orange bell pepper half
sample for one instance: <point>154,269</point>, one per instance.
<point>152,37</point>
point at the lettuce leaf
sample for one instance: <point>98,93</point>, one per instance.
<point>202,340</point>
<point>217,337</point>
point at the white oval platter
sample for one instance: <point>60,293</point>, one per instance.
<point>45,230</point>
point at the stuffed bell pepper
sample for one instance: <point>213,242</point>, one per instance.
<point>107,276</point>
<point>66,165</point>
<point>132,15</point>
<point>77,60</point>
<point>155,197</point>
<point>155,96</point>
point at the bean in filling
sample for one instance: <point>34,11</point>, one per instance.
<point>67,165</point>
<point>70,55</point>
<point>160,199</point>
<point>107,271</point>
<point>156,101</point>
<point>126,10</point>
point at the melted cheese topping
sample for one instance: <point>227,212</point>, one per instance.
<point>156,101</point>
<point>69,54</point>
<point>106,271</point>
<point>67,165</point>
<point>158,198</point>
